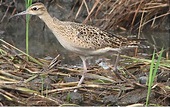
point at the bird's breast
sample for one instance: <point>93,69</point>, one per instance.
<point>73,44</point>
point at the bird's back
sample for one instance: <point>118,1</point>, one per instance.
<point>96,37</point>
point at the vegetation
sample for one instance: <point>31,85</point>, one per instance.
<point>152,74</point>
<point>27,4</point>
<point>125,14</point>
<point>21,82</point>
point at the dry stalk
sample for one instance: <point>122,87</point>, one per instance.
<point>124,14</point>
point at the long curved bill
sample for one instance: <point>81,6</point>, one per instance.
<point>21,13</point>
<point>18,14</point>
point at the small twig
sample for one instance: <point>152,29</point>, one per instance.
<point>5,14</point>
<point>79,10</point>
<point>156,18</point>
<point>89,14</point>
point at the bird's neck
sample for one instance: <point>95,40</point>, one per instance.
<point>49,21</point>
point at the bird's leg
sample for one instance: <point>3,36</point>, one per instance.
<point>115,65</point>
<point>116,62</point>
<point>84,70</point>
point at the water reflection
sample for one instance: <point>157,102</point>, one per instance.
<point>158,39</point>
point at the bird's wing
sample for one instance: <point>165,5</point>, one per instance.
<point>97,37</point>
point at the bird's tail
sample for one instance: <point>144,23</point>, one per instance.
<point>135,43</point>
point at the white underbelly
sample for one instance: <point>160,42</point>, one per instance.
<point>68,45</point>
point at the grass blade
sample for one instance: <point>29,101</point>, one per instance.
<point>27,4</point>
<point>152,73</point>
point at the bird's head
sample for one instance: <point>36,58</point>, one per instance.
<point>35,9</point>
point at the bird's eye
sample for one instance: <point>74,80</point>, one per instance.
<point>34,8</point>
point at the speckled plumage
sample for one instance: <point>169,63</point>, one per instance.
<point>87,38</point>
<point>82,39</point>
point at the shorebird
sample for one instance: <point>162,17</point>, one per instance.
<point>84,40</point>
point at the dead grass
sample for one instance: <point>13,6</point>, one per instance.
<point>124,14</point>
<point>133,15</point>
<point>27,83</point>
